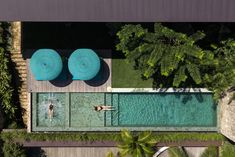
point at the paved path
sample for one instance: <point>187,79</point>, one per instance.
<point>73,151</point>
<point>192,152</point>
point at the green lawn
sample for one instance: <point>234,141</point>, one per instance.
<point>124,76</point>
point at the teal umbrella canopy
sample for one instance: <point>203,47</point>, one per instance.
<point>84,64</point>
<point>46,64</point>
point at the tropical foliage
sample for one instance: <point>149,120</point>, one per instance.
<point>222,74</point>
<point>6,90</point>
<point>176,59</point>
<point>110,154</point>
<point>210,152</point>
<point>11,149</point>
<point>177,152</point>
<point>136,145</point>
<point>164,52</point>
<point>227,150</point>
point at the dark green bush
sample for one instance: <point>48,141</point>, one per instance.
<point>11,149</point>
<point>227,150</point>
<point>6,89</point>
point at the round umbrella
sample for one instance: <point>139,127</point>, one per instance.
<point>84,64</point>
<point>46,64</point>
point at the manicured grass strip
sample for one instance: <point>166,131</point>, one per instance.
<point>183,136</point>
<point>24,136</point>
<point>124,76</point>
<point>21,136</point>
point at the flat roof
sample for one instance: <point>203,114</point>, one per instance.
<point>118,10</point>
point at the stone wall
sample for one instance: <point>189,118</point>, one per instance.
<point>227,117</point>
<point>20,68</point>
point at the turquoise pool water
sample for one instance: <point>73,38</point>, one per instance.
<point>58,99</point>
<point>167,110</point>
<point>136,111</point>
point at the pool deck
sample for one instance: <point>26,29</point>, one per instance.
<point>73,86</point>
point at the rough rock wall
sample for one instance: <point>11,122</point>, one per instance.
<point>20,68</point>
<point>227,117</point>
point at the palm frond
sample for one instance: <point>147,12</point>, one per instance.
<point>110,154</point>
<point>146,149</point>
<point>126,136</point>
<point>177,152</point>
<point>144,136</point>
<point>210,152</point>
<point>156,55</point>
<point>194,73</point>
<point>123,146</point>
<point>124,152</point>
<point>152,142</point>
<point>197,36</point>
<point>179,76</point>
<point>137,152</point>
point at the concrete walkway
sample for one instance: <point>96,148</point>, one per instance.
<point>72,151</point>
<point>192,152</point>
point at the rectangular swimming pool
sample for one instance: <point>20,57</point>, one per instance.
<point>134,111</point>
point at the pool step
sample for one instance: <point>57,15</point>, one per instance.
<point>108,114</point>
<point>115,114</point>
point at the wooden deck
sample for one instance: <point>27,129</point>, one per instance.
<point>69,85</point>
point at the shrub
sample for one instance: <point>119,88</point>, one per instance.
<point>11,149</point>
<point>227,150</point>
<point>6,90</point>
<point>210,152</point>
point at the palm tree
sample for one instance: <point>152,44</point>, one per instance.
<point>136,145</point>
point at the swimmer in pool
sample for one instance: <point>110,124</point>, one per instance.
<point>50,111</point>
<point>103,108</point>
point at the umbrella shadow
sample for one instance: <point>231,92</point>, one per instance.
<point>65,78</point>
<point>102,76</point>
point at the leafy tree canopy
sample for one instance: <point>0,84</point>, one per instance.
<point>175,59</point>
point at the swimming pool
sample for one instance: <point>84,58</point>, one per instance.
<point>164,110</point>
<point>135,111</point>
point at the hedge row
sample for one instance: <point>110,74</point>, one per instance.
<point>6,89</point>
<point>21,136</point>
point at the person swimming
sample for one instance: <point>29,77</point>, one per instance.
<point>50,111</point>
<point>103,108</point>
